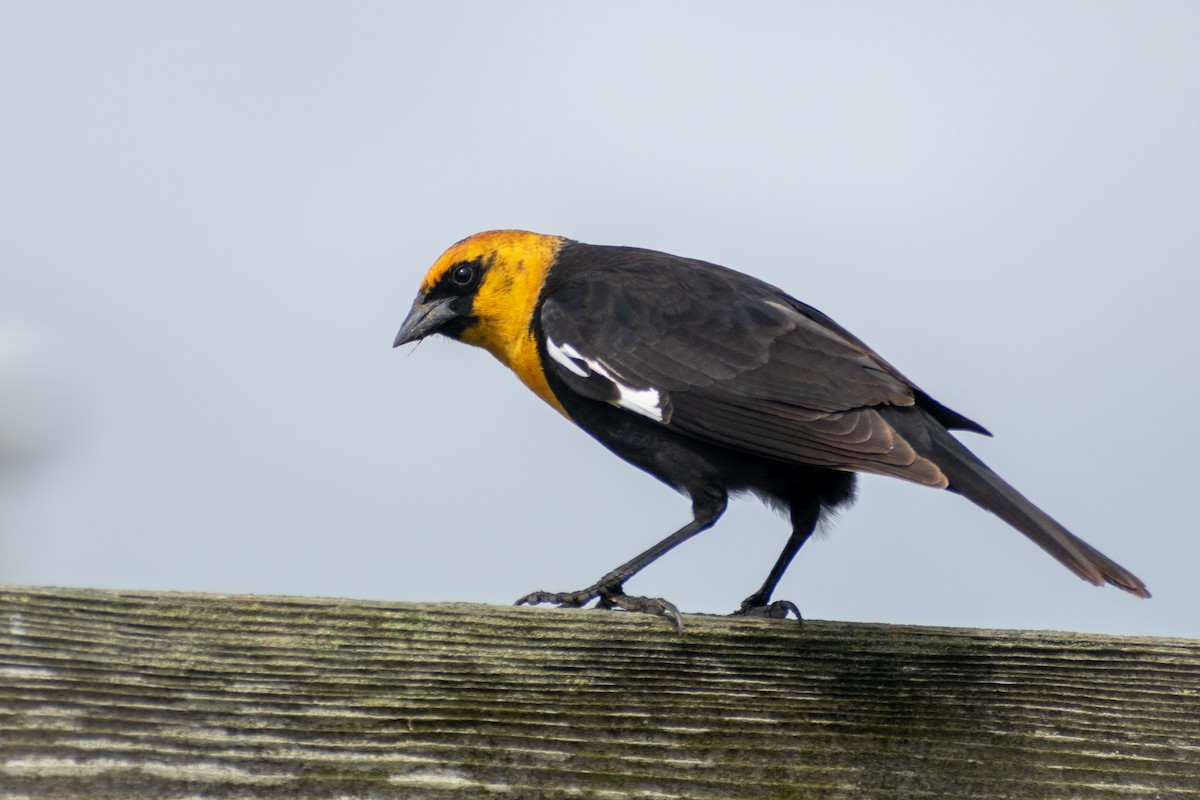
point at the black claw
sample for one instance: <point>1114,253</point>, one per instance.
<point>777,610</point>
<point>676,617</point>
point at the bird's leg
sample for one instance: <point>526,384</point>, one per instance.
<point>609,590</point>
<point>804,521</point>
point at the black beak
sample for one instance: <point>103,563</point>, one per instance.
<point>424,319</point>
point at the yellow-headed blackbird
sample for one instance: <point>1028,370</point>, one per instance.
<point>713,382</point>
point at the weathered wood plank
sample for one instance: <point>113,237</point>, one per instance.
<point>124,694</point>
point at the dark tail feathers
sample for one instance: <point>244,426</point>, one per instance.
<point>974,480</point>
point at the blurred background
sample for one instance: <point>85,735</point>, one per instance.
<point>215,216</point>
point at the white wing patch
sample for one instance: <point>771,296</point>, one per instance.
<point>567,356</point>
<point>647,402</point>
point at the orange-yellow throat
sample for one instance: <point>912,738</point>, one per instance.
<point>516,265</point>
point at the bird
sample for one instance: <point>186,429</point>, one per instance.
<point>717,384</point>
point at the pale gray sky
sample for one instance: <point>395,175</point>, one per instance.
<point>216,215</point>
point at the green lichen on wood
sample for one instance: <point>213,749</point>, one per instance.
<point>118,694</point>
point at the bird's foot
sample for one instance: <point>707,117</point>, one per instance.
<point>753,607</point>
<point>607,597</point>
<point>563,599</point>
<point>642,605</point>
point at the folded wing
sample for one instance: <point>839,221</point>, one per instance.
<point>733,361</point>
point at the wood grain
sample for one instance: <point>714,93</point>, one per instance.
<point>134,694</point>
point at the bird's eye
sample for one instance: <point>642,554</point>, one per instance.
<point>463,274</point>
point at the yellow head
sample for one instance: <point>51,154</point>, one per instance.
<point>483,291</point>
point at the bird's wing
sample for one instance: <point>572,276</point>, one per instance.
<point>729,360</point>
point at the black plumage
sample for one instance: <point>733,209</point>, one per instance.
<point>759,392</point>
<point>714,382</point>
